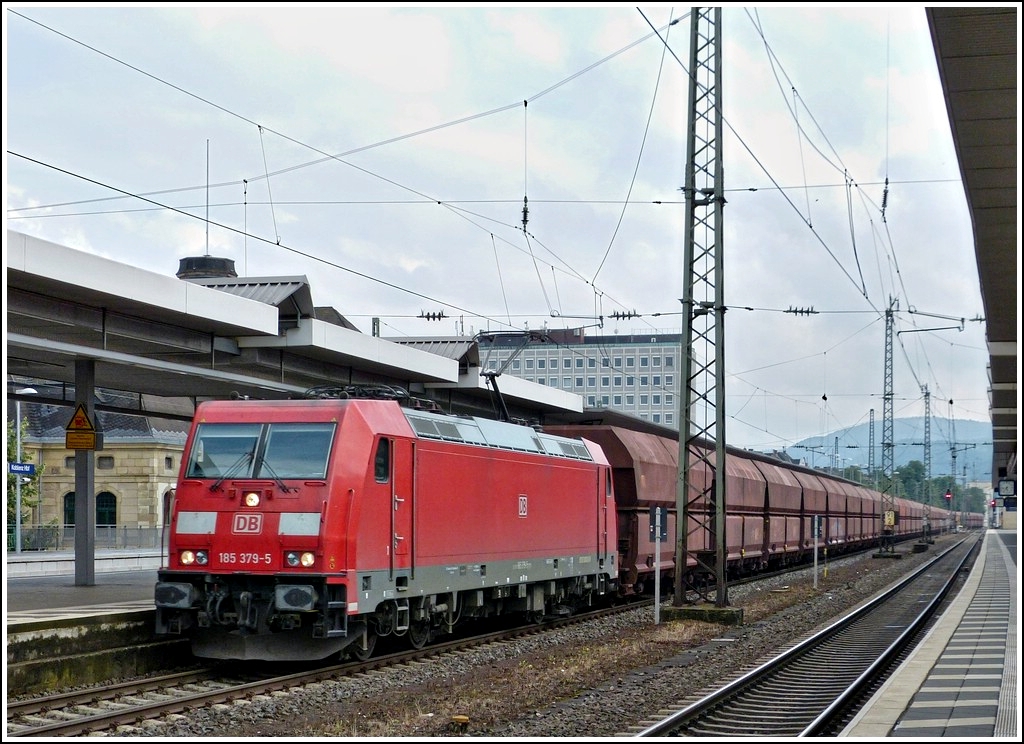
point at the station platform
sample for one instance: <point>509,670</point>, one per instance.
<point>961,680</point>
<point>62,562</point>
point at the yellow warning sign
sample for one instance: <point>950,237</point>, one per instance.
<point>80,421</point>
<point>80,440</point>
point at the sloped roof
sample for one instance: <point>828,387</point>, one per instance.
<point>464,350</point>
<point>289,294</point>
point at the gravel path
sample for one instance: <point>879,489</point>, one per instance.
<point>591,680</point>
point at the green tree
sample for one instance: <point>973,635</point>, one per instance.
<point>29,486</point>
<point>911,476</point>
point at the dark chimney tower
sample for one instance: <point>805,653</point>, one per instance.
<point>205,267</point>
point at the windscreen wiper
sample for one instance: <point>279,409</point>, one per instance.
<point>236,467</point>
<point>277,478</point>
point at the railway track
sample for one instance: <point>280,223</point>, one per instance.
<point>107,708</point>
<point>817,685</point>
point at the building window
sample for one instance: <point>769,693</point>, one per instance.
<point>493,364</point>
<point>630,381</point>
<point>591,401</point>
<point>69,507</point>
<point>669,380</point>
<point>617,400</point>
<point>529,363</point>
<point>604,361</point>
<point>579,362</point>
<point>540,380</point>
<point>604,400</point>
<point>606,381</point>
<point>515,364</point>
<point>656,380</point>
<point>656,399</point>
<point>567,363</point>
<point>668,361</point>
<point>591,362</point>
<point>69,462</point>
<point>618,381</point>
<point>540,363</point>
<point>567,383</point>
<point>643,361</point>
<point>630,362</point>
<point>656,361</point>
<point>105,462</point>
<point>668,418</point>
<point>643,380</point>
<point>618,361</point>
<point>668,399</point>
<point>106,509</point>
<point>629,399</point>
<point>168,463</point>
<point>656,418</point>
<point>643,400</point>
<point>591,382</point>
<point>579,382</point>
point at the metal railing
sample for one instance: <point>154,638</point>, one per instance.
<point>54,537</point>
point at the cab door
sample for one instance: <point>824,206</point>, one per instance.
<point>402,500</point>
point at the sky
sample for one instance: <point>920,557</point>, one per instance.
<point>387,152</point>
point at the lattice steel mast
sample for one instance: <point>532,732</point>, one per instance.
<point>888,505</point>
<point>700,498</point>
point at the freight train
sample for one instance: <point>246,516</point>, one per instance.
<point>772,509</point>
<point>306,529</point>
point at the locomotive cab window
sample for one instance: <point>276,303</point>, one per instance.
<point>283,450</point>
<point>296,451</point>
<point>382,461</point>
<point>223,450</point>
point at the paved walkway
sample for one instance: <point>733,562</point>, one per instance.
<point>961,681</point>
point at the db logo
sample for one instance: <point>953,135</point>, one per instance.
<point>248,524</point>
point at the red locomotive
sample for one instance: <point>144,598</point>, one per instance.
<point>301,529</point>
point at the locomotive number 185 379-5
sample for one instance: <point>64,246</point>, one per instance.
<point>250,559</point>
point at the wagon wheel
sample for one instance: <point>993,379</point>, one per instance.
<point>356,650</point>
<point>419,633</point>
<point>387,618</point>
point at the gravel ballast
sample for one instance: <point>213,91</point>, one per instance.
<point>594,679</point>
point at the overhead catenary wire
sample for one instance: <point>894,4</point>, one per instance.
<point>537,242</point>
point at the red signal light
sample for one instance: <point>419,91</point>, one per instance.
<point>948,495</point>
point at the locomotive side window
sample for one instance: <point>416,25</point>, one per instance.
<point>297,451</point>
<point>382,461</point>
<point>223,449</point>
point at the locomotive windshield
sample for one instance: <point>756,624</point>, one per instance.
<point>260,451</point>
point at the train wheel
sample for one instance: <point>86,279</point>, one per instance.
<point>419,634</point>
<point>356,650</point>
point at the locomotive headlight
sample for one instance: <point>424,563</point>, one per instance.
<point>187,557</point>
<point>294,559</point>
<point>202,557</point>
<point>252,499</point>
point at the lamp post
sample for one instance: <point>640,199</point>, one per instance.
<point>17,481</point>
